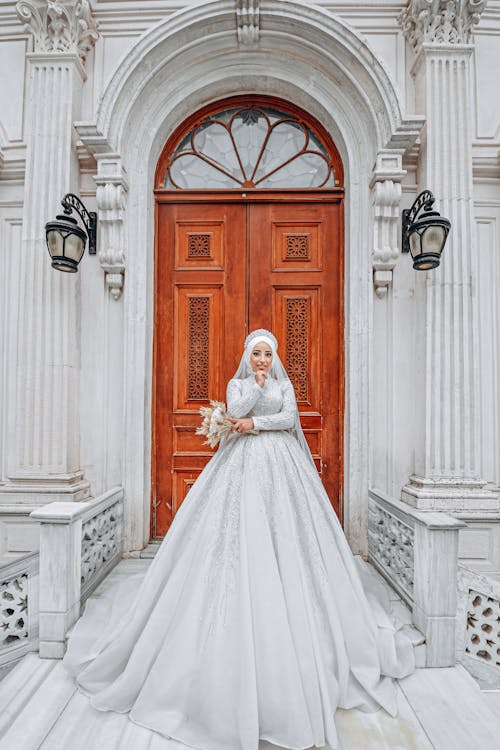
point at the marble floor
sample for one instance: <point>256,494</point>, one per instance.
<point>440,709</point>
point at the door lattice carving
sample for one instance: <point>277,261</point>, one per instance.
<point>199,246</point>
<point>297,344</point>
<point>297,246</point>
<point>199,318</point>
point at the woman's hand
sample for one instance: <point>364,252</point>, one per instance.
<point>260,377</point>
<point>244,424</point>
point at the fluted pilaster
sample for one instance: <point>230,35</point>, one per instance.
<point>447,459</point>
<point>44,458</point>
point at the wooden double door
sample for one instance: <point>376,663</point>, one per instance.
<point>222,269</point>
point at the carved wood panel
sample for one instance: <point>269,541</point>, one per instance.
<point>274,265</point>
<point>199,301</point>
<point>296,245</point>
<point>300,299</point>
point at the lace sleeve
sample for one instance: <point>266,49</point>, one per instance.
<point>283,419</point>
<point>239,405</point>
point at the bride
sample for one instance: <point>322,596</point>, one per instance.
<point>252,621</point>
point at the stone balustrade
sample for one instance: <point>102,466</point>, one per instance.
<point>19,607</point>
<point>417,553</point>
<point>79,544</point>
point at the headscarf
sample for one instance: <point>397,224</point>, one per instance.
<point>276,371</point>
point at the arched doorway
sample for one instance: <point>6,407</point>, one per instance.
<point>249,233</point>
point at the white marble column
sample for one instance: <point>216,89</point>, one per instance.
<point>447,456</point>
<point>44,459</point>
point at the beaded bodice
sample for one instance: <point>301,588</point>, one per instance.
<point>271,406</point>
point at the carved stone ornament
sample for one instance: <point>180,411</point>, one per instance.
<point>386,197</point>
<point>59,26</point>
<point>111,195</point>
<point>441,22</point>
<point>247,21</point>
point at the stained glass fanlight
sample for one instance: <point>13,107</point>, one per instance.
<point>252,146</point>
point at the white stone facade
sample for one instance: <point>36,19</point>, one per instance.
<point>90,92</point>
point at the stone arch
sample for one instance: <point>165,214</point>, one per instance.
<point>304,55</point>
<point>197,36</point>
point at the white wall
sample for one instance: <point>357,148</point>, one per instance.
<point>395,390</point>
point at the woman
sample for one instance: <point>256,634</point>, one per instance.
<point>252,621</point>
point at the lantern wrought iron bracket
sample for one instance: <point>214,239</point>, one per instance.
<point>423,202</point>
<point>72,202</point>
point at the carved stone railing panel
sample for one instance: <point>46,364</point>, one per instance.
<point>483,627</point>
<point>84,540</point>
<point>101,544</point>
<point>18,607</point>
<point>417,553</point>
<point>14,605</point>
<point>478,626</point>
<point>391,543</point>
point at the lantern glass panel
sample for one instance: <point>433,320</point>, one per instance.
<point>433,239</point>
<point>55,242</point>
<point>415,244</point>
<point>74,247</point>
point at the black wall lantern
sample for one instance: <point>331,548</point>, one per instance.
<point>65,237</point>
<point>424,236</point>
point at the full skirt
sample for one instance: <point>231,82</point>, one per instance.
<point>252,621</point>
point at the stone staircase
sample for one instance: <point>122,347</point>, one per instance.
<point>439,709</point>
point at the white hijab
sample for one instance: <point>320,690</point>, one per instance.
<point>276,371</point>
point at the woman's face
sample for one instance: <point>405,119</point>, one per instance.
<point>261,357</point>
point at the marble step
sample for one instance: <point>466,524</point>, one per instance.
<point>19,687</point>
<point>492,698</point>
<point>439,709</point>
<point>379,731</point>
<point>58,717</point>
<point>452,710</point>
<point>150,550</point>
<point>81,727</point>
<point>34,721</point>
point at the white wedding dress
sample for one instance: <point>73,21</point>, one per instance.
<point>252,621</point>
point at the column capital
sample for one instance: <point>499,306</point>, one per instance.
<point>440,22</point>
<point>59,25</point>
